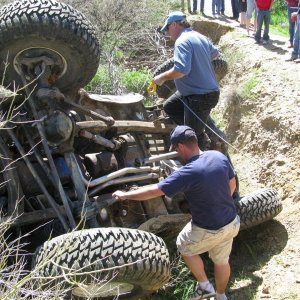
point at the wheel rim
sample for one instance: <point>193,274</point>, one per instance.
<point>59,67</point>
<point>104,289</point>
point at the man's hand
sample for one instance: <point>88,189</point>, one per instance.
<point>159,80</point>
<point>119,195</point>
<point>168,75</point>
<point>143,193</point>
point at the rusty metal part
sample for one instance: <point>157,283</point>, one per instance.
<point>33,61</point>
<point>13,185</point>
<point>119,173</point>
<point>159,157</point>
<point>127,126</point>
<point>86,208</point>
<point>58,127</point>
<point>51,201</point>
<point>98,139</point>
<point>55,175</point>
<point>100,164</point>
<point>121,180</point>
<point>109,121</point>
<point>49,93</point>
<point>104,201</point>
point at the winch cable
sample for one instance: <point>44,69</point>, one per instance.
<point>206,125</point>
<point>230,145</point>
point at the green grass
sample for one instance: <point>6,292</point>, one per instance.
<point>132,81</point>
<point>136,81</point>
<point>101,82</point>
<point>279,19</point>
<point>248,86</point>
<point>182,282</point>
<point>218,119</point>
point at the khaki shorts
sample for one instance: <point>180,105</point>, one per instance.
<point>193,240</point>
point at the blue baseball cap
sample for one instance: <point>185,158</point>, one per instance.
<point>174,16</point>
<point>181,134</point>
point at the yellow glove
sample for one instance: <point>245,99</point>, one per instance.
<point>152,88</point>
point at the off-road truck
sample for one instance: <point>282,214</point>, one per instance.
<point>64,151</point>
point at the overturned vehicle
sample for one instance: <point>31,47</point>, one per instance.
<point>64,151</point>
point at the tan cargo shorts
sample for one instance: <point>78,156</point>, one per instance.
<point>193,240</point>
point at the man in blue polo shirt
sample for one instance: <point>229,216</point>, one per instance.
<point>207,181</point>
<point>193,74</point>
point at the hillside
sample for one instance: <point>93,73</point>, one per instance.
<point>259,108</point>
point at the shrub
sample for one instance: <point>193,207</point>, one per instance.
<point>136,81</point>
<point>101,83</point>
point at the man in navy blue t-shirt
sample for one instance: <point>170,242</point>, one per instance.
<point>207,181</point>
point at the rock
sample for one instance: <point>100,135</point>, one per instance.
<point>266,290</point>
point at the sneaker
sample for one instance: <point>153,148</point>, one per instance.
<point>297,60</point>
<point>221,297</point>
<point>265,42</point>
<point>292,58</point>
<point>202,294</point>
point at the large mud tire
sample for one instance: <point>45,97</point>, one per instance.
<point>168,88</point>
<point>47,26</point>
<point>134,257</point>
<point>258,207</point>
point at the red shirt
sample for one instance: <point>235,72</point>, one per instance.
<point>292,3</point>
<point>263,4</point>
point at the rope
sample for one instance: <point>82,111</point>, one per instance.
<point>236,149</point>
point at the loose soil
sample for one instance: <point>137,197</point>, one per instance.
<point>259,107</point>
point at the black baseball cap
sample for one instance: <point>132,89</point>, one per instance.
<point>181,134</point>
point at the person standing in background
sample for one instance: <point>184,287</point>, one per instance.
<point>291,8</point>
<point>223,7</point>
<point>235,9</point>
<point>243,9</point>
<point>296,47</point>
<point>216,8</point>
<point>264,8</point>
<point>195,6</point>
<point>251,7</point>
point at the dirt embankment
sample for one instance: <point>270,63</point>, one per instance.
<point>259,106</point>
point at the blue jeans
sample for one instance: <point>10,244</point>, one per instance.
<point>263,16</point>
<point>216,4</point>
<point>296,50</point>
<point>235,9</point>
<point>291,24</point>
<point>195,5</point>
<point>251,6</point>
<point>222,6</point>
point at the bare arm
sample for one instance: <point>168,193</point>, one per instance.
<point>143,193</point>
<point>168,75</point>
<point>232,185</point>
